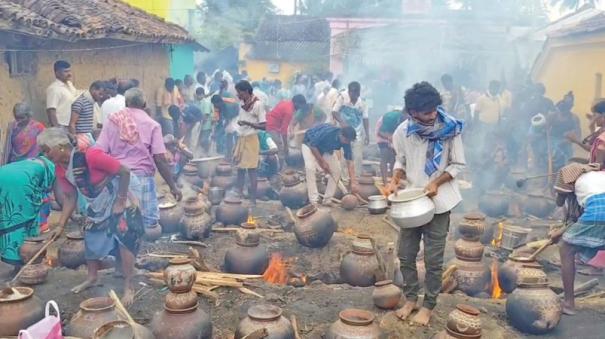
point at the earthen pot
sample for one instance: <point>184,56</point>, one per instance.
<point>224,182</point>
<point>268,317</point>
<point>231,212</point>
<point>468,250</point>
<point>367,187</point>
<point>196,226</point>
<point>538,205</point>
<point>315,226</point>
<point>224,169</point>
<point>248,257</point>
<point>71,253</point>
<point>195,204</point>
<point>386,295</point>
<point>349,202</point>
<point>205,169</point>
<point>34,274</point>
<point>295,158</point>
<point>170,217</point>
<point>30,247</point>
<point>472,277</point>
<point>465,320</point>
<point>190,175</point>
<point>354,324</point>
<point>359,267</point>
<point>19,311</point>
<point>180,275</point>
<point>263,187</point>
<point>508,273</point>
<point>293,194</point>
<point>472,226</point>
<point>289,177</point>
<point>494,204</point>
<point>93,313</point>
<point>181,301</point>
<point>191,323</point>
<point>533,307</point>
<point>123,330</point>
<point>153,232</point>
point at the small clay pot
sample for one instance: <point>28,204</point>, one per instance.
<point>354,324</point>
<point>196,226</point>
<point>465,320</point>
<point>468,250</point>
<point>268,317</point>
<point>224,169</point>
<point>93,313</point>
<point>349,202</point>
<point>181,301</point>
<point>152,233</point>
<point>386,295</point>
<point>170,217</point>
<point>263,188</point>
<point>359,267</point>
<point>315,227</point>
<point>196,204</point>
<point>508,273</point>
<point>30,247</point>
<point>34,274</point>
<point>367,188</point>
<point>19,312</point>
<point>71,253</point>
<point>231,212</point>
<point>180,275</point>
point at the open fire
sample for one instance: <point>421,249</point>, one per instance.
<point>277,271</point>
<point>251,221</point>
<point>496,290</point>
<point>497,240</point>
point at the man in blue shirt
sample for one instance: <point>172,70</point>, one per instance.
<point>318,147</point>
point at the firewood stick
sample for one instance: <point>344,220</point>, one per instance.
<point>219,281</point>
<point>190,242</point>
<point>258,334</point>
<point>295,326</point>
<point>205,292</point>
<point>40,251</point>
<point>235,229</point>
<point>229,275</point>
<point>291,215</point>
<point>166,255</point>
<point>593,295</point>
<point>585,287</point>
<point>250,292</point>
<point>121,308</point>
<point>448,272</point>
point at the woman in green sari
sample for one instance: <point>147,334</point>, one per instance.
<point>23,186</point>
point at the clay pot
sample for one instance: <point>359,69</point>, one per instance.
<point>71,253</point>
<point>19,311</point>
<point>93,313</point>
<point>315,226</point>
<point>196,204</point>
<point>465,320</point>
<point>538,205</point>
<point>190,175</point>
<point>205,169</point>
<point>268,317</point>
<point>248,257</point>
<point>123,330</point>
<point>170,217</point>
<point>354,324</point>
<point>181,301</point>
<point>290,177</point>
<point>386,295</point>
<point>196,226</point>
<point>34,274</point>
<point>30,247</point>
<point>349,202</point>
<point>295,158</point>
<point>508,273</point>
<point>231,212</point>
<point>468,250</point>
<point>216,195</point>
<point>180,275</point>
<point>263,187</point>
<point>533,307</point>
<point>191,323</point>
<point>494,204</point>
<point>224,169</point>
<point>472,277</point>
<point>152,233</point>
<point>358,268</point>
<point>367,187</point>
<point>224,182</point>
<point>293,194</point>
<point>472,226</point>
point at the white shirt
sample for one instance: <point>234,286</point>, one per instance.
<point>411,157</point>
<point>343,99</point>
<point>262,96</point>
<point>589,184</point>
<point>60,96</point>
<point>111,106</point>
<point>326,103</point>
<point>256,115</point>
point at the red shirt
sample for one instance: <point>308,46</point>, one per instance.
<point>100,165</point>
<point>279,118</point>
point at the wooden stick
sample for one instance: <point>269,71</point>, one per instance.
<point>218,281</point>
<point>190,242</point>
<point>295,326</point>
<point>235,229</point>
<point>166,255</point>
<point>50,241</point>
<point>250,292</point>
<point>121,308</point>
<point>582,288</point>
<point>218,157</point>
<point>205,292</point>
<point>228,275</point>
<point>258,334</point>
<point>291,215</point>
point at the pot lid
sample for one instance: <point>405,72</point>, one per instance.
<point>306,211</point>
<point>232,200</point>
<point>181,311</point>
<point>167,205</point>
<point>407,195</point>
<point>468,309</point>
<point>179,261</point>
<point>247,238</point>
<point>474,216</point>
<point>356,317</point>
<point>264,312</point>
<point>19,293</point>
<point>530,276</point>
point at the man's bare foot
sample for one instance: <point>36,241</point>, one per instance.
<point>83,286</point>
<point>404,312</point>
<point>568,309</point>
<point>128,297</point>
<point>422,317</point>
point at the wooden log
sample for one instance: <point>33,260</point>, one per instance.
<point>40,251</point>
<point>219,282</point>
<point>228,275</point>
<point>167,256</point>
<point>250,292</point>
<point>205,292</point>
<point>190,242</point>
<point>295,326</point>
<point>585,287</point>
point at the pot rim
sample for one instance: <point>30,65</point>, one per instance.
<point>262,312</point>
<point>377,197</point>
<point>383,283</point>
<point>306,211</point>
<point>294,182</point>
<point>248,226</point>
<point>86,304</point>
<point>356,317</point>
<point>36,239</point>
<point>102,330</point>
<point>411,194</point>
<point>232,201</point>
<point>247,244</point>
<point>179,261</point>
<point>184,310</point>
<point>460,335</point>
<point>474,216</point>
<point>468,309</point>
<point>26,293</point>
<point>464,258</point>
<point>75,235</point>
<point>167,205</point>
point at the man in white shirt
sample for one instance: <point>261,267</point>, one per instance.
<point>261,95</point>
<point>327,100</point>
<point>429,155</point>
<point>117,102</point>
<point>60,94</point>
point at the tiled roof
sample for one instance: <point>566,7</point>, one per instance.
<point>73,20</point>
<point>591,24</point>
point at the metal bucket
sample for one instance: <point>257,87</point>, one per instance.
<point>513,236</point>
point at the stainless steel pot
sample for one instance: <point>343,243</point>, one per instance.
<point>216,195</point>
<point>411,208</point>
<point>377,204</point>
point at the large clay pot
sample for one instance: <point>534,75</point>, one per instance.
<point>464,321</point>
<point>190,175</point>
<point>224,182</point>
<point>472,226</point>
<point>181,301</point>
<point>180,275</point>
<point>231,212</point>
<point>123,330</point>
<point>263,187</point>
<point>30,247</point>
<point>295,158</point>
<point>192,323</point>
<point>71,253</point>
<point>508,273</point>
<point>19,311</point>
<point>196,226</point>
<point>93,313</point>
<point>469,250</point>
<point>289,177</point>
<point>196,204</point>
<point>359,267</point>
<point>533,307</point>
<point>248,257</point>
<point>268,317</point>
<point>367,187</point>
<point>216,195</point>
<point>224,169</point>
<point>494,204</point>
<point>538,205</point>
<point>354,324</point>
<point>34,274</point>
<point>293,194</point>
<point>315,226</point>
<point>349,202</point>
<point>386,295</point>
<point>170,217</point>
<point>472,277</point>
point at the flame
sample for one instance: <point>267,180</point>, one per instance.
<point>251,220</point>
<point>496,290</point>
<point>277,272</point>
<point>497,241</point>
<point>349,231</point>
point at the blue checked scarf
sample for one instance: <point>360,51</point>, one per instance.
<point>445,127</point>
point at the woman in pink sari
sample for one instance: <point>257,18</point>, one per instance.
<point>21,143</point>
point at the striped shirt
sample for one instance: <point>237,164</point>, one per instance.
<point>85,109</point>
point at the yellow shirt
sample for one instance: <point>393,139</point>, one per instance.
<point>490,108</point>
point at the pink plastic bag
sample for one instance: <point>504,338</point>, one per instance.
<point>47,328</point>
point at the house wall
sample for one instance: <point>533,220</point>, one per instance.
<point>258,69</point>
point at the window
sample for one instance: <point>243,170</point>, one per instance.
<point>21,63</point>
